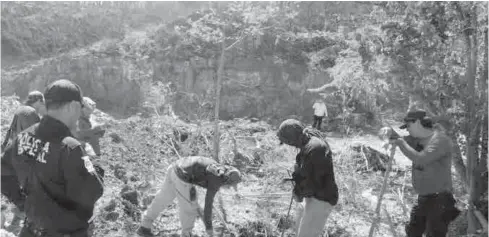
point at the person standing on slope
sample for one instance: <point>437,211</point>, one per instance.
<point>313,176</point>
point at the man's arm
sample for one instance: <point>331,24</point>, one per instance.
<point>436,149</point>
<point>83,185</point>
<point>209,201</point>
<point>88,134</point>
<point>26,120</point>
<point>10,132</point>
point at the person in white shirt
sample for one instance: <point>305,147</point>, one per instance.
<point>320,111</point>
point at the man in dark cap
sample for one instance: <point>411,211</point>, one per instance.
<point>24,117</point>
<point>180,182</point>
<point>430,151</point>
<point>60,182</point>
<point>313,176</point>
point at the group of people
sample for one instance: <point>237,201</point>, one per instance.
<point>48,174</point>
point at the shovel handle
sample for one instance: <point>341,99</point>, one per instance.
<point>382,191</point>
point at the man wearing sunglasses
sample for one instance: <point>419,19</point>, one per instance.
<point>430,151</point>
<point>52,168</point>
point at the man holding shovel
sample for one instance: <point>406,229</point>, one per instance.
<point>313,176</point>
<point>430,152</point>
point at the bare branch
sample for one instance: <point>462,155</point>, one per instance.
<point>235,42</point>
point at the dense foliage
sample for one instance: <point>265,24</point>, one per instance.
<point>34,30</point>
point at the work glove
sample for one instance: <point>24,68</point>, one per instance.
<point>297,177</point>
<point>296,195</point>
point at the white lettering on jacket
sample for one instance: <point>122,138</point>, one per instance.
<point>32,147</point>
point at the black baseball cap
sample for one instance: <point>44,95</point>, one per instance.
<point>412,116</point>
<point>62,91</point>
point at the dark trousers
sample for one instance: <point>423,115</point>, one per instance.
<point>431,215</point>
<point>317,122</point>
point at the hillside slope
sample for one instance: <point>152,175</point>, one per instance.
<point>136,152</point>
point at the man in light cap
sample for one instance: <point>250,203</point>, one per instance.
<point>180,182</point>
<point>51,166</point>
<point>24,117</point>
<point>313,176</point>
<point>430,151</point>
<point>86,132</point>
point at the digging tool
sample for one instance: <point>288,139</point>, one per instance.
<point>288,213</point>
<point>291,200</point>
<point>385,134</point>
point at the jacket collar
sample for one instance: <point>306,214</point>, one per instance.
<point>53,129</point>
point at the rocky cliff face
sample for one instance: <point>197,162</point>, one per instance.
<point>117,75</point>
<point>102,76</point>
<point>251,88</point>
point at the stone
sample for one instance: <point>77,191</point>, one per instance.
<point>131,196</point>
<point>112,216</point>
<point>120,173</point>
<point>111,206</point>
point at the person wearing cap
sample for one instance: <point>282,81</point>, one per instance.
<point>86,132</point>
<point>26,115</point>
<point>51,166</point>
<point>320,111</point>
<point>181,178</point>
<point>430,151</point>
<point>313,176</point>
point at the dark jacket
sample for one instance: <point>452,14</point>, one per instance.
<point>315,177</point>
<point>24,117</point>
<point>204,172</point>
<point>60,181</point>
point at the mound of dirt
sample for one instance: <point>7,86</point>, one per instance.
<point>368,158</point>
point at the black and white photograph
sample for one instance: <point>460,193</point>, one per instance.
<point>244,118</point>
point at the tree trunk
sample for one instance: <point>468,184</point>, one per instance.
<point>483,87</point>
<point>472,146</point>
<point>458,162</point>
<point>218,100</point>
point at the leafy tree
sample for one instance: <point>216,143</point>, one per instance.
<point>435,49</point>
